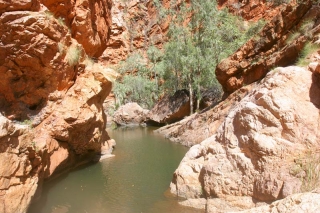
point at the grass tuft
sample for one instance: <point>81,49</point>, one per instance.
<point>308,170</point>
<point>73,55</point>
<point>309,48</point>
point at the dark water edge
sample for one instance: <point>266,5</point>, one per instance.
<point>135,180</point>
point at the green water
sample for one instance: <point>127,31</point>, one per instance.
<point>135,180</point>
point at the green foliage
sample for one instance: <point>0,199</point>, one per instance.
<point>34,146</point>
<point>133,63</point>
<point>199,36</point>
<point>88,61</point>
<point>195,48</point>
<point>308,169</point>
<point>28,123</point>
<point>49,15</point>
<point>293,36</point>
<point>73,55</point>
<point>255,28</point>
<point>61,21</point>
<point>61,47</point>
<point>309,48</point>
<point>141,78</point>
<point>136,89</point>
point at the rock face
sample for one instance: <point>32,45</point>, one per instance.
<point>278,44</point>
<point>89,21</point>
<point>254,150</point>
<point>130,114</point>
<point>54,95</point>
<point>31,74</point>
<point>134,26</point>
<point>251,10</point>
<point>19,163</point>
<point>304,202</point>
<point>171,108</point>
<point>199,126</point>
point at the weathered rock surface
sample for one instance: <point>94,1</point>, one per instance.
<point>303,202</point>
<point>29,75</point>
<point>46,80</point>
<point>89,21</point>
<point>130,114</point>
<point>253,151</point>
<point>252,10</point>
<point>170,108</point>
<point>199,126</point>
<point>19,164</point>
<point>278,44</point>
<point>134,26</point>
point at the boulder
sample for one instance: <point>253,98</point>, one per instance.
<point>130,114</point>
<point>170,108</point>
<point>255,149</point>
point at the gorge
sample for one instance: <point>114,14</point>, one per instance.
<point>254,149</point>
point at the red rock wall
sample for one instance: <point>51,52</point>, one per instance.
<point>48,81</point>
<point>135,26</point>
<point>266,50</point>
<point>89,21</point>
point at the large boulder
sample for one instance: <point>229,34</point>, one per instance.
<point>170,108</point>
<point>130,114</point>
<point>255,149</point>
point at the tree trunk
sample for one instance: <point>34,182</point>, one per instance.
<point>191,98</point>
<point>198,97</point>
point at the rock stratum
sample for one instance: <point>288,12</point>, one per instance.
<point>260,141</point>
<point>51,93</point>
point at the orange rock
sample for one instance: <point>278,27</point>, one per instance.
<point>47,80</point>
<point>89,21</point>
<point>268,49</point>
<point>253,150</point>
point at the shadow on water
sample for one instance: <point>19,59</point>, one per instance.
<point>135,180</point>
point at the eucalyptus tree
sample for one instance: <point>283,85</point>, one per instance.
<point>200,35</point>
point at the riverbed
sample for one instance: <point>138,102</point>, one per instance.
<point>136,179</point>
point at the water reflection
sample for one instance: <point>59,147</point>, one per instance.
<point>135,180</point>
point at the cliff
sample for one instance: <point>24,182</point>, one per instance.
<point>51,92</point>
<point>135,25</point>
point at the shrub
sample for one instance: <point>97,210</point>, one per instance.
<point>136,89</point>
<point>73,55</point>
<point>293,36</point>
<point>309,48</point>
<point>61,47</point>
<point>308,170</point>
<point>255,28</point>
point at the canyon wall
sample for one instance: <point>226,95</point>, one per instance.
<point>135,25</point>
<point>51,93</point>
